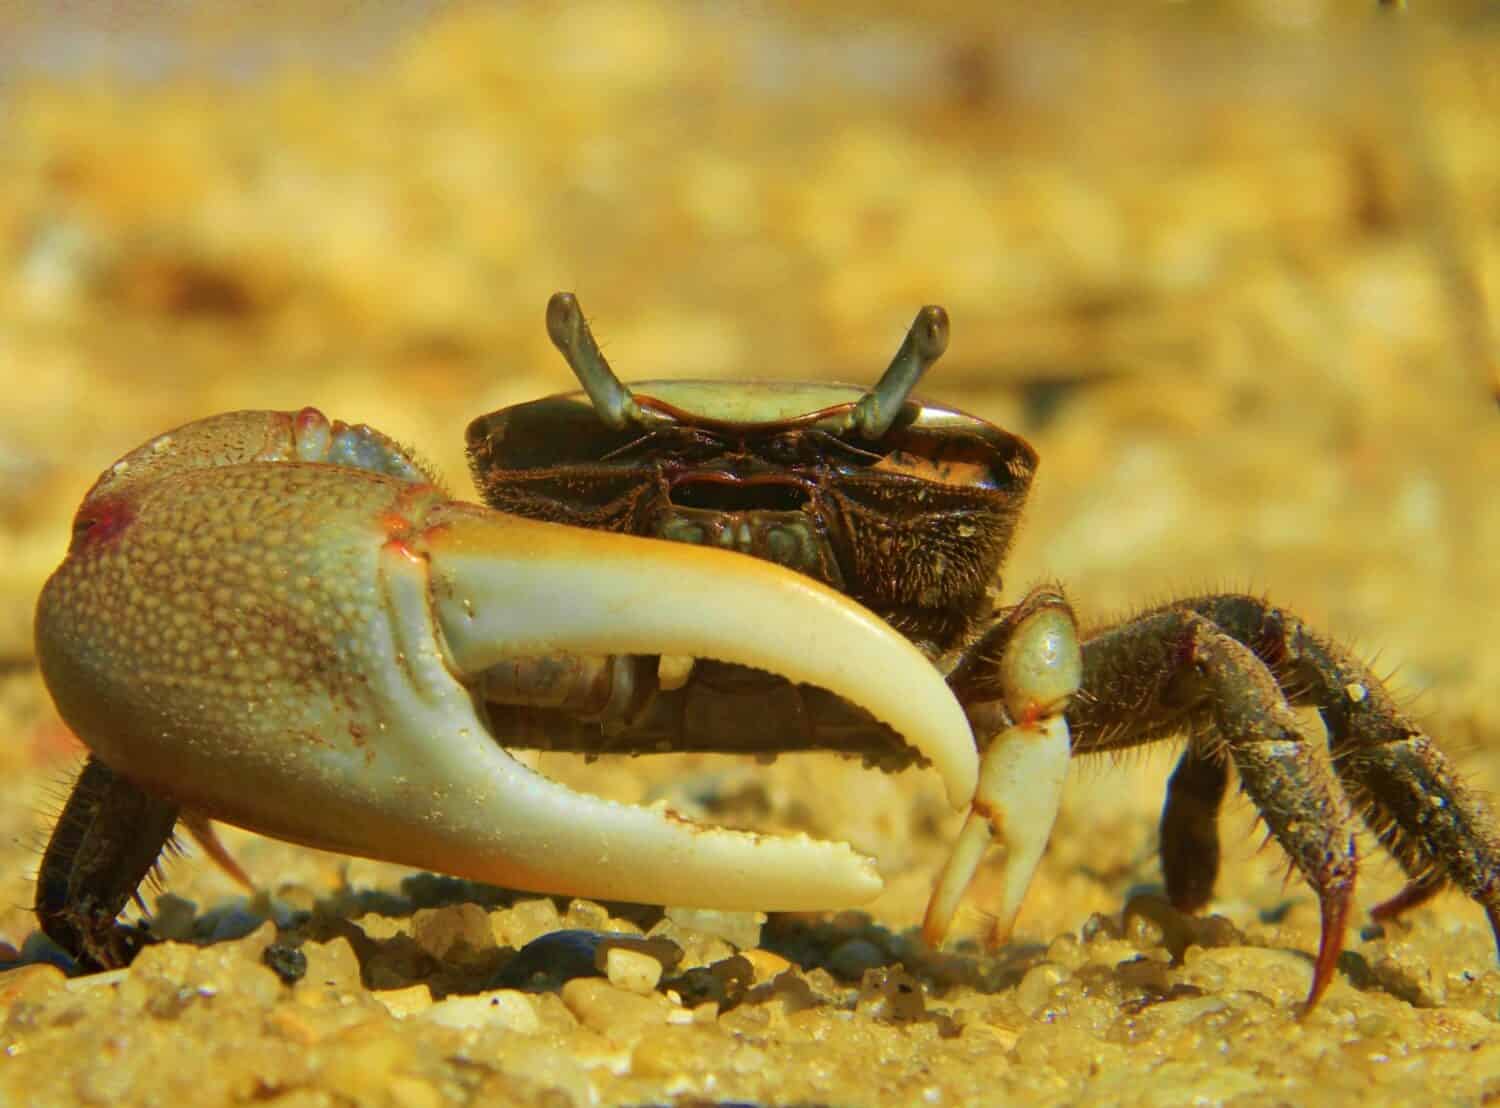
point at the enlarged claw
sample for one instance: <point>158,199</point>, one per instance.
<point>278,622</point>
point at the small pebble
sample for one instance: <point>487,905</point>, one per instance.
<point>29,983</point>
<point>555,957</point>
<point>232,923</point>
<point>664,952</point>
<point>409,1001</point>
<point>893,995</point>
<point>525,922</point>
<point>564,955</point>
<point>286,962</point>
<point>632,970</point>
<point>724,983</point>
<point>587,915</point>
<point>601,1007</point>
<point>330,965</point>
<point>1034,992</point>
<point>698,947</point>
<point>790,992</point>
<point>458,933</point>
<point>765,964</point>
<point>505,1008</point>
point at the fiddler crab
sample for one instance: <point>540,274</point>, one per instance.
<point>283,622</point>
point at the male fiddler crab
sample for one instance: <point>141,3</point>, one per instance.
<point>282,622</point>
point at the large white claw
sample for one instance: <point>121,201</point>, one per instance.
<point>503,587</point>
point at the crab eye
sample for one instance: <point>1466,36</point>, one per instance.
<point>570,333</point>
<point>923,345</point>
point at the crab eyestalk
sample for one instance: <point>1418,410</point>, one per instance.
<point>569,332</point>
<point>924,344</point>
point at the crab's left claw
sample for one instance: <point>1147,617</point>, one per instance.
<point>296,647</point>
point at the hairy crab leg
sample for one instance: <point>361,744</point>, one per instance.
<point>1163,672</point>
<point>1401,783</point>
<point>108,838</point>
<point>1022,770</point>
<point>294,646</point>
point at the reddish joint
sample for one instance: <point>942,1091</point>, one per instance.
<point>400,531</point>
<point>1032,713</point>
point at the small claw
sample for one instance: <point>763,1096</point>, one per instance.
<point>1021,773</point>
<point>1020,788</point>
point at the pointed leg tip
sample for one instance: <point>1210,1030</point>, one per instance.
<point>1412,896</point>
<point>1319,987</point>
<point>1334,905</point>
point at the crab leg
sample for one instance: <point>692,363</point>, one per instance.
<point>293,647</point>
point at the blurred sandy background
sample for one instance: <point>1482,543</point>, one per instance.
<point>1229,267</point>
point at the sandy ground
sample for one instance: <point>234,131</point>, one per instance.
<point>1228,275</point>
